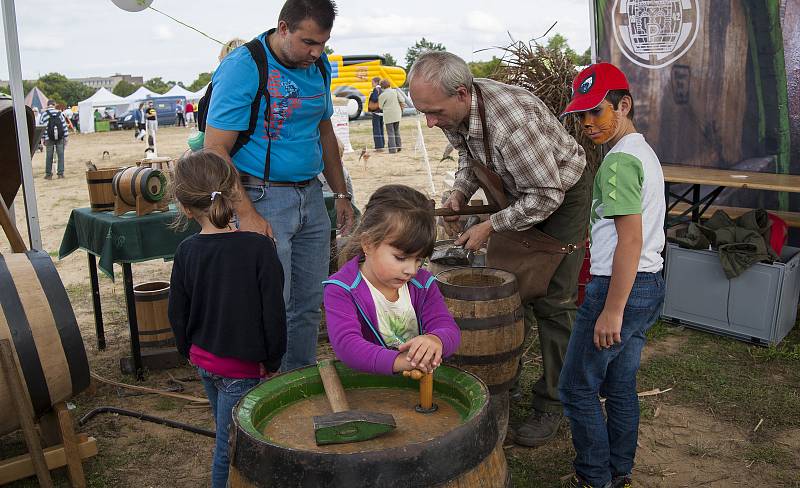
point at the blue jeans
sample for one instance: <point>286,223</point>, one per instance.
<point>59,147</point>
<point>377,130</point>
<point>607,448</point>
<point>302,231</point>
<point>223,393</point>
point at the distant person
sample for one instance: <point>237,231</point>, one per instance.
<point>236,341</point>
<point>392,105</point>
<point>376,114</point>
<point>189,113</point>
<point>626,289</point>
<point>55,137</point>
<point>229,46</point>
<point>67,113</point>
<point>138,123</point>
<point>151,123</point>
<point>37,117</point>
<point>179,120</point>
<point>97,115</point>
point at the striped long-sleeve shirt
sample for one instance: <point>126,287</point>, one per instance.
<point>537,160</point>
<point>45,118</point>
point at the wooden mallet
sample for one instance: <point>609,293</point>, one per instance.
<point>345,425</point>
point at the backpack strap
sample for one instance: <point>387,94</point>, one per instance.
<point>259,56</point>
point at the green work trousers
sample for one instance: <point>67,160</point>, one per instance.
<point>554,313</point>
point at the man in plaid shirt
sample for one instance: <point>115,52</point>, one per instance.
<point>542,171</point>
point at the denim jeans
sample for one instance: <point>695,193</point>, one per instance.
<point>377,130</point>
<point>59,147</point>
<point>607,448</point>
<point>393,137</point>
<point>302,231</point>
<point>223,393</point>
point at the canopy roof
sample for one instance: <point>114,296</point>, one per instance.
<point>36,99</point>
<point>140,94</point>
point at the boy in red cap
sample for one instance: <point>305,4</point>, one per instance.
<point>625,294</point>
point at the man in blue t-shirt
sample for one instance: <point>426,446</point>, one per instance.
<point>293,142</point>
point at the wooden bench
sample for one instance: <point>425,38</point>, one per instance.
<point>792,219</point>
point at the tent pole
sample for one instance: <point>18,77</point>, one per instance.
<point>18,98</point>
<point>593,30</point>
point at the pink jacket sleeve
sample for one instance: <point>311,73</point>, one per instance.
<point>344,332</point>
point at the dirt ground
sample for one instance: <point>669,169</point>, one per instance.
<point>679,445</point>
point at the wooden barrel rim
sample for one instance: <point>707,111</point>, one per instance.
<point>480,433</point>
<point>494,292</point>
<point>148,288</point>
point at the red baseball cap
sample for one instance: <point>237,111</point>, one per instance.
<point>592,85</point>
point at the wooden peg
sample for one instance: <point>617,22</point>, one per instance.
<point>426,392</point>
<point>24,414</point>
<point>414,374</point>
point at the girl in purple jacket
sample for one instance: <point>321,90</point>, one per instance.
<point>385,314</point>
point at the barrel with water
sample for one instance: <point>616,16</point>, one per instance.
<point>457,446</point>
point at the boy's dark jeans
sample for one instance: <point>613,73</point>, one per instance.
<point>607,448</point>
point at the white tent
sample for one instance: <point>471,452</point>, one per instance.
<point>140,94</point>
<point>178,91</point>
<point>101,98</point>
<point>199,93</point>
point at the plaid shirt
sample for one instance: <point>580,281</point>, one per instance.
<point>537,160</point>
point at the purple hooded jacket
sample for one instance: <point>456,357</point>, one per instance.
<point>353,322</point>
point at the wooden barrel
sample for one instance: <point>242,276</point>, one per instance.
<point>36,316</point>
<point>455,447</point>
<point>149,183</point>
<point>487,309</point>
<point>101,195</point>
<point>151,300</point>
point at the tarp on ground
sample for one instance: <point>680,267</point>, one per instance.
<point>101,98</point>
<point>36,99</point>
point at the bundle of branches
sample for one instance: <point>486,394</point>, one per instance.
<point>548,74</point>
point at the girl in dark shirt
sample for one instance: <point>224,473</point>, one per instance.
<point>226,301</point>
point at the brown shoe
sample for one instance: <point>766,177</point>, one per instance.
<point>48,177</point>
<point>538,429</point>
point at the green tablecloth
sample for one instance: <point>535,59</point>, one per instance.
<point>123,239</point>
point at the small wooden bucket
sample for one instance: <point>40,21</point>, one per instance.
<point>151,300</point>
<point>101,194</point>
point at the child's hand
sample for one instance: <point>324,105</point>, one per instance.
<point>423,352</point>
<point>607,330</point>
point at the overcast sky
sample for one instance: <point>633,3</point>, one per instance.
<point>81,38</point>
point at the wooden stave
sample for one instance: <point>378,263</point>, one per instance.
<point>488,468</point>
<point>151,315</point>
<point>492,330</point>
<point>100,185</point>
<point>54,338</point>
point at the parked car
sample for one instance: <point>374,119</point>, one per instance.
<point>126,120</point>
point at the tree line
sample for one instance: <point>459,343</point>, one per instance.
<point>62,90</point>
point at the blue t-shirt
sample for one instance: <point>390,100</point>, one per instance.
<point>299,100</point>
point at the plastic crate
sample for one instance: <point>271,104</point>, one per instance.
<point>758,306</point>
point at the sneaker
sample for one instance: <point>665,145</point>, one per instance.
<point>578,482</point>
<point>621,482</point>
<point>538,429</point>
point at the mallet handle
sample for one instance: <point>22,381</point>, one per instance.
<point>426,391</point>
<point>333,386</point>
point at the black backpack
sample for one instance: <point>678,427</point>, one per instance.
<point>259,54</point>
<point>55,129</point>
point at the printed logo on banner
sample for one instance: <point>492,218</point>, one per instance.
<point>655,33</point>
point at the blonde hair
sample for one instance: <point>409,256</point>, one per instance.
<point>205,184</point>
<point>230,46</point>
<point>398,214</point>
